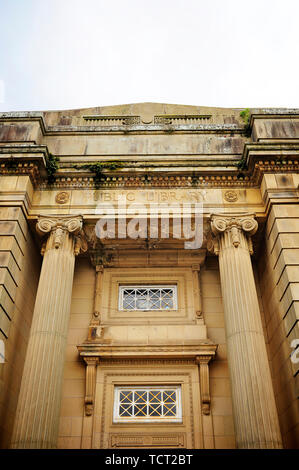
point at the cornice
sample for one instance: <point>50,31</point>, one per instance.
<point>24,159</point>
<point>273,113</point>
<point>117,351</point>
<point>200,178</point>
<point>24,116</point>
<point>269,157</point>
<point>258,158</point>
<point>273,148</point>
<point>23,149</point>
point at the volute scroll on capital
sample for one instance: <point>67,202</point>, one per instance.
<point>234,224</point>
<point>59,226</point>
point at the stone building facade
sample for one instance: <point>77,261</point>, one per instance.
<point>136,339</point>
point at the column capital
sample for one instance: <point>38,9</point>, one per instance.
<point>71,223</point>
<point>222,222</point>
<point>239,227</point>
<point>59,226</point>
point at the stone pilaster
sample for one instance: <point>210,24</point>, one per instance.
<point>255,414</point>
<point>37,416</point>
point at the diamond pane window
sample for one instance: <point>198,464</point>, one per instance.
<point>148,298</point>
<point>147,404</point>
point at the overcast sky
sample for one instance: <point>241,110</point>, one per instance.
<point>64,54</point>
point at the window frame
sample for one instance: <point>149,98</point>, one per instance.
<point>135,419</point>
<point>122,287</point>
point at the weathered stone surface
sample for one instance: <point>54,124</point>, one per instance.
<point>235,316</point>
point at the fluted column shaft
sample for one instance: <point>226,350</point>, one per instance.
<point>254,408</point>
<point>37,417</point>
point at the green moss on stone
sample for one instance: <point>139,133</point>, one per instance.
<point>98,167</point>
<point>52,166</point>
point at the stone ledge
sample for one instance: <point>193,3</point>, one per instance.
<point>192,351</point>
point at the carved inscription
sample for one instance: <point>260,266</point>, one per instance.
<point>150,196</point>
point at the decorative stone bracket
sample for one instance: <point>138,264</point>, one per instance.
<point>204,381</point>
<point>91,370</point>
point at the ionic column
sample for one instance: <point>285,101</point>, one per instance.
<point>255,415</point>
<point>38,410</point>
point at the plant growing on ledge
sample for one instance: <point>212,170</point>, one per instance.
<point>245,115</point>
<point>52,166</point>
<point>242,165</point>
<point>98,168</point>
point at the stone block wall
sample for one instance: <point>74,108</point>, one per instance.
<point>279,278</point>
<point>19,274</point>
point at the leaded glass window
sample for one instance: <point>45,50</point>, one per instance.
<point>147,404</point>
<point>148,298</point>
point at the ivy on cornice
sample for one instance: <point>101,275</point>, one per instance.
<point>98,167</point>
<point>52,166</point>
